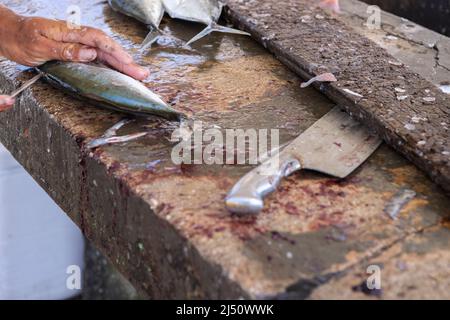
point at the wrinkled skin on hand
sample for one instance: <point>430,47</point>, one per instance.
<point>6,103</point>
<point>32,41</point>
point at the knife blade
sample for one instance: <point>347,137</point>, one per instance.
<point>26,85</point>
<point>335,145</point>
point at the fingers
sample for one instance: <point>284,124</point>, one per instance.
<point>56,41</point>
<point>131,69</point>
<point>331,4</point>
<point>70,51</point>
<point>81,53</point>
<point>6,103</point>
<point>90,37</point>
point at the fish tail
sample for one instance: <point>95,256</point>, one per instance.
<point>154,35</point>
<point>201,35</point>
<point>214,27</point>
<point>150,39</point>
<point>218,28</point>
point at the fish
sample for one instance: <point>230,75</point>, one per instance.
<point>149,12</point>
<point>324,77</point>
<point>201,11</point>
<point>111,137</point>
<point>102,141</point>
<point>108,88</point>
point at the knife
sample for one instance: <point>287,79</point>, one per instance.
<point>335,145</point>
<point>26,85</point>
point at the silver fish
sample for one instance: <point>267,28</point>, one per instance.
<point>114,140</point>
<point>149,12</point>
<point>112,132</point>
<point>109,88</point>
<point>111,137</point>
<point>202,11</point>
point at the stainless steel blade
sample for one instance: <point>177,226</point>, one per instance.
<point>335,145</point>
<point>26,85</point>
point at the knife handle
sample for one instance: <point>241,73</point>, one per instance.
<point>247,196</point>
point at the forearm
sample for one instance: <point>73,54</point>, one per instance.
<point>9,22</point>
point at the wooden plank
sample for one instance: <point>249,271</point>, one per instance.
<point>311,42</point>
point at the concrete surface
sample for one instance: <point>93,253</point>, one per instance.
<point>102,281</point>
<point>166,228</point>
<point>370,79</point>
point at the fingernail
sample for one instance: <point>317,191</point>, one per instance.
<point>88,55</point>
<point>145,73</point>
<point>6,102</point>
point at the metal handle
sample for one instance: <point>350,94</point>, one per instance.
<point>247,196</point>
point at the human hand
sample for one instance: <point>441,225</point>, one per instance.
<point>32,41</point>
<point>6,102</point>
<point>331,4</point>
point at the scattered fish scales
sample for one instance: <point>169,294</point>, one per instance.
<point>202,11</point>
<point>429,99</point>
<point>398,202</point>
<point>399,90</point>
<point>353,93</point>
<point>445,88</point>
<point>109,88</point>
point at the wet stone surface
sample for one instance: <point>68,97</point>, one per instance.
<point>165,227</point>
<point>416,126</point>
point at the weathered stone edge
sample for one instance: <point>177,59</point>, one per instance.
<point>109,214</point>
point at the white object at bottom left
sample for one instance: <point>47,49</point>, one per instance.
<point>41,249</point>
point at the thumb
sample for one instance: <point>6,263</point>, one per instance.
<point>6,102</point>
<point>73,52</point>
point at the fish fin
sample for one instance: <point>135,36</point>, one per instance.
<point>150,39</point>
<point>153,36</point>
<point>214,27</point>
<point>200,35</point>
<point>218,28</point>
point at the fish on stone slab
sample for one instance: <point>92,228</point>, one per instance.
<point>111,137</point>
<point>201,11</point>
<point>108,88</point>
<point>149,12</point>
